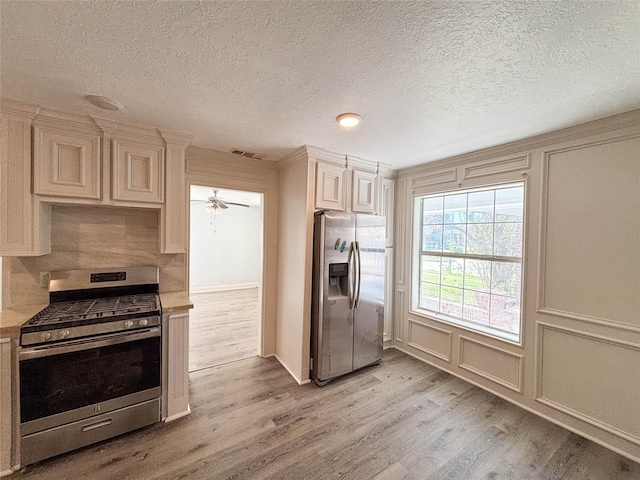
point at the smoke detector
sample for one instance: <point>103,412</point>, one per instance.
<point>103,102</point>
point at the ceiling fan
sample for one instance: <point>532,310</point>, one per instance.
<point>216,204</point>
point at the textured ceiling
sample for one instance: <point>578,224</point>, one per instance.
<point>431,79</point>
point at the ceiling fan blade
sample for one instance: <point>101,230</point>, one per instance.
<point>237,204</point>
<point>222,205</point>
<point>199,201</point>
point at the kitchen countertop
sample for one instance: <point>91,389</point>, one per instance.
<point>175,301</point>
<point>11,319</point>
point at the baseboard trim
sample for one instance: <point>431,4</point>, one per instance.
<point>178,415</point>
<point>222,288</point>
<point>524,407</point>
<point>300,382</point>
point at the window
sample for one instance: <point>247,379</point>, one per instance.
<point>469,257</point>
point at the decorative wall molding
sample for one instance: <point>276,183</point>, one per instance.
<point>518,363</point>
<point>541,396</point>
<point>400,319</point>
<point>435,178</point>
<point>601,126</point>
<point>401,232</point>
<point>493,167</point>
<point>541,306</point>
<point>446,356</point>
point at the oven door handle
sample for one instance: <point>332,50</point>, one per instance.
<point>87,343</point>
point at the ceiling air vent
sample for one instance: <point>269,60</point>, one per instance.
<point>244,153</point>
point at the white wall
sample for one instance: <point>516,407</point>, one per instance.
<point>578,361</point>
<point>225,249</point>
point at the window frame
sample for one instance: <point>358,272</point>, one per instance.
<point>417,253</point>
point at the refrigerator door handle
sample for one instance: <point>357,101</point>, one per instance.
<point>357,296</point>
<point>351,287</point>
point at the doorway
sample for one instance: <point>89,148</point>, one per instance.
<point>225,275</point>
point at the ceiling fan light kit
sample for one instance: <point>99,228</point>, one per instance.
<point>216,204</point>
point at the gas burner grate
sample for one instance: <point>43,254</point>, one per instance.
<point>96,308</point>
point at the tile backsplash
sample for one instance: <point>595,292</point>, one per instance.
<point>87,237</point>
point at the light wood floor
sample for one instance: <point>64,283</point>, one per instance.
<point>223,327</point>
<point>400,420</point>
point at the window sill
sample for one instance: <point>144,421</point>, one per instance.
<point>510,338</point>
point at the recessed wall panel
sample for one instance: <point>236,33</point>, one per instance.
<point>497,365</point>
<point>431,340</point>
<point>591,244</point>
<point>593,378</point>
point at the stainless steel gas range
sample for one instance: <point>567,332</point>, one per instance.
<point>90,362</point>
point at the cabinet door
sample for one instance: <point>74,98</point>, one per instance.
<point>386,209</point>
<point>175,330</point>
<point>6,417</point>
<point>330,187</point>
<point>66,163</point>
<point>138,172</point>
<point>363,192</point>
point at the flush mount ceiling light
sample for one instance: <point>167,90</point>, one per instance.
<point>103,102</point>
<point>348,119</point>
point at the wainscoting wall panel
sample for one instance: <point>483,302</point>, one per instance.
<point>431,340</point>
<point>498,365</point>
<point>577,362</point>
<point>590,261</point>
<point>594,378</point>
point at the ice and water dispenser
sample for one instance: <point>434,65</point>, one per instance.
<point>338,280</point>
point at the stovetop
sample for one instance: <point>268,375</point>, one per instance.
<point>96,308</point>
<point>91,303</point>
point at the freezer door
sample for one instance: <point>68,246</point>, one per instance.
<point>368,323</point>
<point>332,316</point>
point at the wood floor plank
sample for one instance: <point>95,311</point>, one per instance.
<point>223,327</point>
<point>401,419</point>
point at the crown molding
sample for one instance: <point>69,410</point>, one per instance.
<point>176,138</point>
<point>339,159</point>
<point>595,127</point>
<point>105,125</point>
<point>299,154</point>
<point>13,107</point>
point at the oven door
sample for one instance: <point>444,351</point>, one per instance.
<point>87,377</point>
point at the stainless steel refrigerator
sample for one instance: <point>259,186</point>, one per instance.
<point>347,314</point>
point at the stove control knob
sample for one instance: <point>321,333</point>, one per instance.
<point>64,333</point>
<point>143,323</point>
<point>45,336</point>
<point>128,324</point>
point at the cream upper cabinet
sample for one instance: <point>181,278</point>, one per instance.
<point>346,189</point>
<point>66,163</point>
<point>330,185</point>
<point>363,192</point>
<point>137,172</point>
